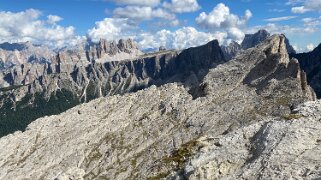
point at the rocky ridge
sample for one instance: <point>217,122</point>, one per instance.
<point>250,41</point>
<point>240,122</point>
<point>74,77</point>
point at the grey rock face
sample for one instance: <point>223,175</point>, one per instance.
<point>251,40</point>
<point>22,53</point>
<point>311,63</point>
<point>231,50</point>
<point>240,128</point>
<point>289,47</point>
<point>269,149</point>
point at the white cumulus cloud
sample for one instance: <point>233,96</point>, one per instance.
<point>310,47</point>
<point>121,28</point>
<point>221,18</point>
<point>28,26</point>
<point>53,19</point>
<point>182,6</point>
<point>140,13</point>
<point>180,39</point>
<point>112,29</point>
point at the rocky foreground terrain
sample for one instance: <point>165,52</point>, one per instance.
<point>253,117</point>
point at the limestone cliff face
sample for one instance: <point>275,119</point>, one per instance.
<point>311,63</point>
<point>245,120</point>
<point>73,77</point>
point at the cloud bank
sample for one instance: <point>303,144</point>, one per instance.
<point>27,26</point>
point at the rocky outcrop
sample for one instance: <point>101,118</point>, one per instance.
<point>270,149</point>
<point>250,41</point>
<point>311,63</point>
<point>104,51</point>
<point>231,50</point>
<point>162,48</point>
<point>71,79</point>
<point>243,125</point>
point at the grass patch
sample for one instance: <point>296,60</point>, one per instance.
<point>159,176</point>
<point>180,156</point>
<point>283,101</point>
<point>292,116</point>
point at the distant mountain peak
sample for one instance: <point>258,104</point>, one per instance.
<point>250,41</point>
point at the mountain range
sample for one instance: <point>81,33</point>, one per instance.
<point>36,81</point>
<point>189,114</point>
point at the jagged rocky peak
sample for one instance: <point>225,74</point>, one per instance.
<point>269,68</point>
<point>124,49</point>
<point>251,40</point>
<point>276,46</point>
<point>231,50</point>
<point>122,45</point>
<point>127,44</point>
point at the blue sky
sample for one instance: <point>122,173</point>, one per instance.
<point>173,23</point>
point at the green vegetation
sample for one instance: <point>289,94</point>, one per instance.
<point>12,87</point>
<point>181,155</point>
<point>12,120</point>
<point>177,159</point>
<point>91,91</point>
<point>283,101</point>
<point>292,116</point>
<point>159,176</point>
